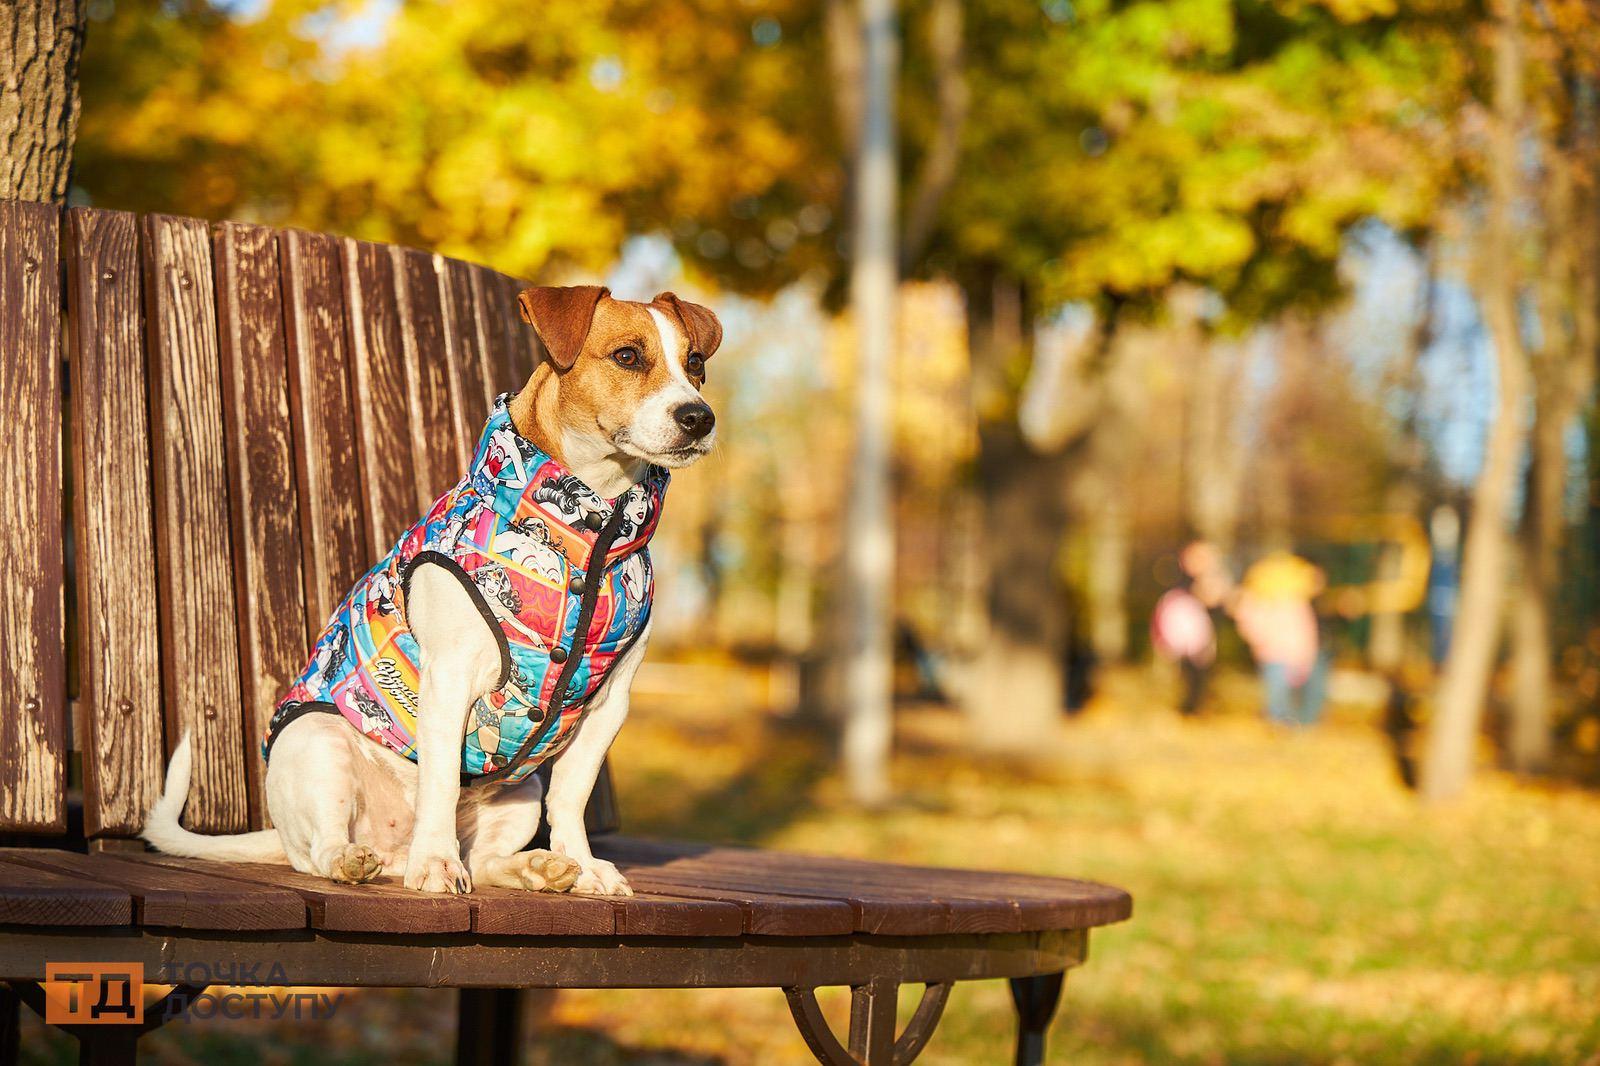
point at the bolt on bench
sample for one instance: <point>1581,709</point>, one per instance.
<point>177,523</point>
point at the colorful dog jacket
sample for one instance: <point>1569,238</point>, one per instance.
<point>562,575</point>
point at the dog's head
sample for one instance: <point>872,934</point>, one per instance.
<point>629,373</point>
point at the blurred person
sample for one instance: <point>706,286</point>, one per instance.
<point>924,673</point>
<point>1180,626</point>
<point>1274,614</point>
<point>1444,579</point>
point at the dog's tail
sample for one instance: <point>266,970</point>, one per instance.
<point>161,826</point>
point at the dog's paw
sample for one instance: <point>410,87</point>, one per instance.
<point>601,878</point>
<point>354,864</point>
<point>435,872</point>
<point>544,871</point>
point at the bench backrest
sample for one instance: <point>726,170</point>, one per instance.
<point>245,418</point>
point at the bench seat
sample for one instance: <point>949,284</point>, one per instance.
<point>682,890</point>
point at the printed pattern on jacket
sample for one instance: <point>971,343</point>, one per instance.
<point>518,530</point>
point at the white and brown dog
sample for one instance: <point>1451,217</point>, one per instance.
<point>616,401</point>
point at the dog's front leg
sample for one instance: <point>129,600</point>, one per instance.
<point>460,660</point>
<point>572,778</point>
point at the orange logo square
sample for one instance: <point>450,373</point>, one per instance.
<point>94,993</point>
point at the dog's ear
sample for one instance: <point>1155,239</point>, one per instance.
<point>700,323</point>
<point>561,316</point>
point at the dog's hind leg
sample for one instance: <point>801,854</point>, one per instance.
<point>493,833</point>
<point>312,783</point>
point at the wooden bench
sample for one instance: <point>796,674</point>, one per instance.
<point>198,465</point>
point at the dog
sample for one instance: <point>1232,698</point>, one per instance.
<point>423,759</point>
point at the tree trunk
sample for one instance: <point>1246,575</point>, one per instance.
<point>869,545</point>
<point>39,96</point>
<point>1563,375</point>
<point>1458,707</point>
<point>1213,454</point>
<point>1110,558</point>
<point>1016,695</point>
<point>1532,658</point>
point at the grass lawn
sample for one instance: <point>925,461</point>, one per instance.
<point>1292,903</point>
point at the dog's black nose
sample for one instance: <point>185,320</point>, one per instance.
<point>696,419</point>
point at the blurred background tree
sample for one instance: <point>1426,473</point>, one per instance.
<point>1198,268</point>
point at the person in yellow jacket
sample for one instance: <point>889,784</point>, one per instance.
<point>1274,614</point>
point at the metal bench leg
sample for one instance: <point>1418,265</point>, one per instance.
<point>1035,999</point>
<point>10,1026</point>
<point>872,1008</point>
<point>872,1021</point>
<point>489,1027</point>
<point>116,1045</point>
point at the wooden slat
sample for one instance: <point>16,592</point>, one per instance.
<point>974,901</point>
<point>119,667</point>
<point>525,346</point>
<point>765,913</point>
<point>33,682</point>
<point>31,896</point>
<point>385,433</point>
<point>502,328</point>
<point>327,471</point>
<point>473,384</point>
<point>383,906</point>
<point>650,915</point>
<point>178,898</point>
<point>268,578</point>
<point>873,911</point>
<point>432,421</point>
<point>510,912</point>
<point>199,637</point>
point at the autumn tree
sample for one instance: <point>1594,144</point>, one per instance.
<point>1566,296</point>
<point>1125,151</point>
<point>39,101</point>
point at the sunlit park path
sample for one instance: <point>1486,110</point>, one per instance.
<point>1293,904</point>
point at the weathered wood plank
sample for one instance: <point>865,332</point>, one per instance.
<point>973,900</point>
<point>178,898</point>
<point>33,698</point>
<point>765,913</point>
<point>513,912</point>
<point>502,328</point>
<point>526,350</point>
<point>199,635</point>
<point>119,668</point>
<point>472,385</point>
<point>649,915</point>
<point>31,896</point>
<point>385,435</point>
<point>269,581</point>
<point>327,469</point>
<point>433,424</point>
<point>380,907</point>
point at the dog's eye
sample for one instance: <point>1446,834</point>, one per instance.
<point>626,357</point>
<point>697,364</point>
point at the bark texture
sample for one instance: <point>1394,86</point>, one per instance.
<point>869,551</point>
<point>1463,690</point>
<point>1563,374</point>
<point>42,40</point>
<point>1016,695</point>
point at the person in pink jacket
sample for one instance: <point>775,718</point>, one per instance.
<point>1275,616</point>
